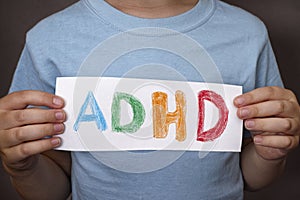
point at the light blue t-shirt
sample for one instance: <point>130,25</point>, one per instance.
<point>228,40</point>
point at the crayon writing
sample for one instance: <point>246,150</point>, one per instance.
<point>219,128</point>
<point>161,117</point>
<point>96,116</point>
<point>137,109</point>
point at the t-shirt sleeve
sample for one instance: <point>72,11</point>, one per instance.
<point>26,76</point>
<point>267,73</point>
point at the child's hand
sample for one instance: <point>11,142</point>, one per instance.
<point>272,114</point>
<point>23,130</point>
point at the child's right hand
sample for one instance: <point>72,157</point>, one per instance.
<point>23,130</point>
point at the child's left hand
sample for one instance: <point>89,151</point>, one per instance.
<point>272,114</point>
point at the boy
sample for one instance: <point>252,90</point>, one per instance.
<point>236,41</point>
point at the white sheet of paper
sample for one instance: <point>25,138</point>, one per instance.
<point>89,137</point>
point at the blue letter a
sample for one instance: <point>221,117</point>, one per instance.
<point>96,115</point>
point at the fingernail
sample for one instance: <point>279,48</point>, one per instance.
<point>240,101</point>
<point>244,112</point>
<point>250,124</point>
<point>258,139</point>
<point>58,127</point>
<point>59,115</point>
<point>55,141</point>
<point>57,101</point>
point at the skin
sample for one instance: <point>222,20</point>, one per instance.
<point>154,8</point>
<point>271,114</point>
<point>26,156</point>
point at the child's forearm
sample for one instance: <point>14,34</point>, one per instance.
<point>257,171</point>
<point>46,181</point>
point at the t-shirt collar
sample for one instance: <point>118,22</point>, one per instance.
<point>186,21</point>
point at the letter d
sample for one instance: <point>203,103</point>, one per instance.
<point>219,128</point>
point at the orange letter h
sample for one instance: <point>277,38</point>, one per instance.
<point>162,118</point>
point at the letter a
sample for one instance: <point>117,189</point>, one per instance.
<point>162,118</point>
<point>216,131</point>
<point>96,115</point>
<point>138,113</point>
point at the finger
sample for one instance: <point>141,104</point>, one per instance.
<point>272,125</point>
<point>278,108</point>
<point>23,134</point>
<point>272,154</point>
<point>24,150</point>
<point>31,116</point>
<point>21,99</point>
<point>264,94</point>
<point>283,142</point>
